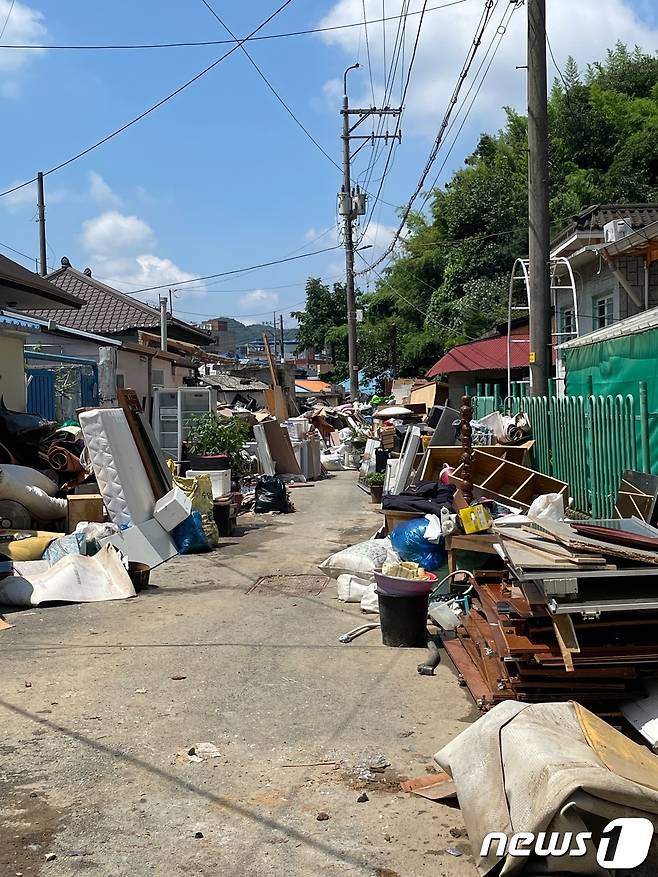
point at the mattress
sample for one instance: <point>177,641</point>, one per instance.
<point>119,471</point>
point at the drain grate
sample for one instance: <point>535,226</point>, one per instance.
<point>290,586</point>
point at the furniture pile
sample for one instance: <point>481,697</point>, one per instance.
<point>573,614</point>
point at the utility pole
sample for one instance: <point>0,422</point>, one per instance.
<point>274,333</point>
<point>539,245</point>
<point>283,346</point>
<point>171,303</point>
<point>163,322</point>
<point>41,208</point>
<point>350,205</point>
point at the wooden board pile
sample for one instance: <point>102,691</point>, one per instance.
<point>569,617</point>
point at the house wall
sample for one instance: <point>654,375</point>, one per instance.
<point>595,280</point>
<point>12,370</point>
<point>133,372</point>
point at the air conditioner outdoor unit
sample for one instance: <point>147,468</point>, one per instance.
<point>616,230</point>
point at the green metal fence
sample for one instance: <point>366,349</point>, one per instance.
<point>587,442</point>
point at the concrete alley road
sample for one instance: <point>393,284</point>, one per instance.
<point>100,704</point>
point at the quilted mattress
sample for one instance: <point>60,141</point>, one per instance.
<point>118,468</point>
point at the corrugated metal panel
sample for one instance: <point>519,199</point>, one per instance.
<point>41,392</point>
<point>89,390</point>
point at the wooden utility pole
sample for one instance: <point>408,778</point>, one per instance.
<point>283,346</point>
<point>539,245</point>
<point>41,214</point>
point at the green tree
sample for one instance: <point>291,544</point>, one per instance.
<point>323,322</point>
<point>449,281</point>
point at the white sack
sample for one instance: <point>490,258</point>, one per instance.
<point>36,501</point>
<point>360,560</point>
<point>370,600</point>
<point>351,588</point>
<point>30,478</point>
<point>74,579</point>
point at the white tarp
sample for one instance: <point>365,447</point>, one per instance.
<point>531,768</point>
<point>74,579</point>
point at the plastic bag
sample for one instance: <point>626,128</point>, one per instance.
<point>199,490</point>
<point>360,560</point>
<point>189,536</point>
<point>272,495</point>
<point>549,507</point>
<point>409,541</point>
<point>434,530</point>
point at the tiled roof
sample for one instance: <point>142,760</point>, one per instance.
<point>592,219</point>
<point>106,310</point>
<point>313,386</point>
<point>18,280</point>
<point>233,384</point>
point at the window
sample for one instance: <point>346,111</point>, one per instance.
<point>121,381</point>
<point>157,378</point>
<point>567,325</point>
<point>603,312</point>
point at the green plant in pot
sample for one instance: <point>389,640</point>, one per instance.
<point>376,482</point>
<point>210,435</point>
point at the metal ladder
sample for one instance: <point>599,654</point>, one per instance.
<point>520,275</point>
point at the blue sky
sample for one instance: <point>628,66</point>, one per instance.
<point>221,177</point>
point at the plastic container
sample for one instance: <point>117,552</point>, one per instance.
<point>392,586</point>
<point>403,620</point>
<point>298,427</point>
<point>220,480</point>
<point>209,463</point>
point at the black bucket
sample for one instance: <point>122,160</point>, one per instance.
<point>404,621</point>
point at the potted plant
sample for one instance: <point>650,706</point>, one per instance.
<point>211,436</point>
<point>376,482</point>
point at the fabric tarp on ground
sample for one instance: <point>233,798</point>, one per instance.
<point>74,579</point>
<point>518,767</point>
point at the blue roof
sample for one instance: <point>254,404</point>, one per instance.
<point>368,388</point>
<point>16,323</point>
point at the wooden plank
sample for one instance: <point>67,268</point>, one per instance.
<point>148,448</point>
<point>566,640</point>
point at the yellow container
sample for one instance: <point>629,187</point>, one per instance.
<point>475,519</point>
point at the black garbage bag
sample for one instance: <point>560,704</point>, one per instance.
<point>272,495</point>
<point>22,433</point>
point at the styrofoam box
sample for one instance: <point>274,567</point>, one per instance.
<point>221,480</point>
<point>173,508</point>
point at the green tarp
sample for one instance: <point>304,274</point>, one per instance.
<point>616,367</point>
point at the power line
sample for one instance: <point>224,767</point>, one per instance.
<point>151,109</point>
<point>470,58</point>
<point>178,283</point>
<point>365,27</point>
<point>500,33</point>
<point>398,120</point>
<point>194,43</point>
<point>271,87</point>
<point>238,315</point>
<point>4,26</point>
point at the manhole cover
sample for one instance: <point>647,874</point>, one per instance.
<point>290,586</point>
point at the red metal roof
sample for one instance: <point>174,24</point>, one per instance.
<point>487,354</point>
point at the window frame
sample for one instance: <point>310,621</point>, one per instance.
<point>609,311</point>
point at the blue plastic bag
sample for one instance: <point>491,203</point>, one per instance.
<point>189,537</point>
<point>409,541</point>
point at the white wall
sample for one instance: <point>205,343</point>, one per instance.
<point>12,370</point>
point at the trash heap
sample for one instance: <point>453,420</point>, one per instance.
<point>573,613</point>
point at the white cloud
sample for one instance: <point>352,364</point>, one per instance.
<point>257,306</point>
<point>113,232</point>
<point>24,27</point>
<point>376,235</point>
<point>101,192</point>
<point>27,197</point>
<point>584,29</point>
<point>119,250</point>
